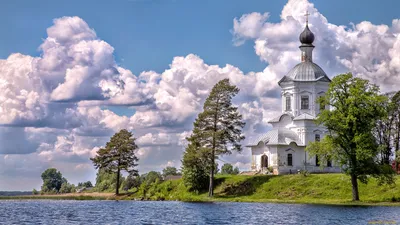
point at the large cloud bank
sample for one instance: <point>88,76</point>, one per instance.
<point>53,108</point>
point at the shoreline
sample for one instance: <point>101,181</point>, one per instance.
<point>124,197</point>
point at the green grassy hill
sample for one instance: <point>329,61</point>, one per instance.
<point>315,188</point>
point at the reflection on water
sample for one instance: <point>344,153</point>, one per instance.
<point>131,212</point>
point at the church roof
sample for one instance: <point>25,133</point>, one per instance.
<point>304,116</point>
<point>278,119</point>
<point>279,136</point>
<point>306,71</point>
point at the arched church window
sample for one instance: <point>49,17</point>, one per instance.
<point>317,137</point>
<point>288,103</point>
<point>290,159</point>
<point>304,102</point>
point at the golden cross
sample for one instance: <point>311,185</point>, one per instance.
<point>306,15</point>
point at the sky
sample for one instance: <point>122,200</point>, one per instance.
<point>72,73</point>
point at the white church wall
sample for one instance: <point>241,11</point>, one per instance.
<point>260,150</point>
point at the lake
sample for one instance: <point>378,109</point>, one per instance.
<point>133,212</point>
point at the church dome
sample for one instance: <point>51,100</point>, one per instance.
<point>306,37</point>
<point>306,71</point>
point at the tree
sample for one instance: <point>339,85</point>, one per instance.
<point>87,184</point>
<point>195,167</point>
<point>67,188</point>
<point>106,181</point>
<point>170,171</point>
<point>386,132</point>
<point>52,181</point>
<point>118,155</point>
<point>218,126</point>
<point>236,170</point>
<point>132,181</point>
<point>227,169</point>
<point>356,106</point>
<point>35,192</point>
<point>151,177</point>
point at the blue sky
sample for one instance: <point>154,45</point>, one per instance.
<point>59,78</point>
<point>147,34</point>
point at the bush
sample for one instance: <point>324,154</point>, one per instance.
<point>35,192</point>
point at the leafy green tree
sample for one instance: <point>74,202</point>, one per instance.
<point>170,171</point>
<point>87,184</point>
<point>356,106</point>
<point>67,188</point>
<point>52,181</point>
<point>118,155</point>
<point>386,129</point>
<point>132,181</point>
<point>195,167</point>
<point>35,192</point>
<point>106,181</point>
<point>236,170</point>
<point>151,177</point>
<point>227,169</point>
<point>217,127</point>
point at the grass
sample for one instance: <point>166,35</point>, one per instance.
<point>313,189</point>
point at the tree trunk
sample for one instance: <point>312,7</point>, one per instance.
<point>211,187</point>
<point>117,184</point>
<point>354,183</point>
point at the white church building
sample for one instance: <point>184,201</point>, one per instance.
<point>283,147</point>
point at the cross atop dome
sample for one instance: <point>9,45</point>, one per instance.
<point>306,15</point>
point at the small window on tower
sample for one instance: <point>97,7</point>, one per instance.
<point>304,102</point>
<point>288,104</point>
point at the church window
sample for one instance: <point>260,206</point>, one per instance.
<point>329,163</point>
<point>316,161</point>
<point>304,102</point>
<point>290,159</point>
<point>317,137</point>
<point>288,104</point>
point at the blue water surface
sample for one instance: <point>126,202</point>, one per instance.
<point>147,212</point>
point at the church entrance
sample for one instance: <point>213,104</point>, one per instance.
<point>264,161</point>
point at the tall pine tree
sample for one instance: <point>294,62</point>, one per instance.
<point>217,130</point>
<point>118,155</point>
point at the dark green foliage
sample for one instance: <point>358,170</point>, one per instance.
<point>52,181</point>
<point>151,177</point>
<point>132,181</point>
<point>228,169</point>
<point>35,192</point>
<point>195,168</point>
<point>216,128</point>
<point>87,184</point>
<point>170,171</point>
<point>356,107</point>
<point>105,181</point>
<point>386,130</point>
<point>118,155</point>
<point>67,188</point>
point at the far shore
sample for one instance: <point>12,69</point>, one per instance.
<point>325,189</point>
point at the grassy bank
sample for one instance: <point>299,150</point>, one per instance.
<point>315,188</point>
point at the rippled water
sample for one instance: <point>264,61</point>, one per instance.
<point>131,212</point>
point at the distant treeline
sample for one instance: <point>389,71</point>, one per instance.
<point>15,193</point>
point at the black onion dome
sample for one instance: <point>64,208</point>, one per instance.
<point>307,37</point>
